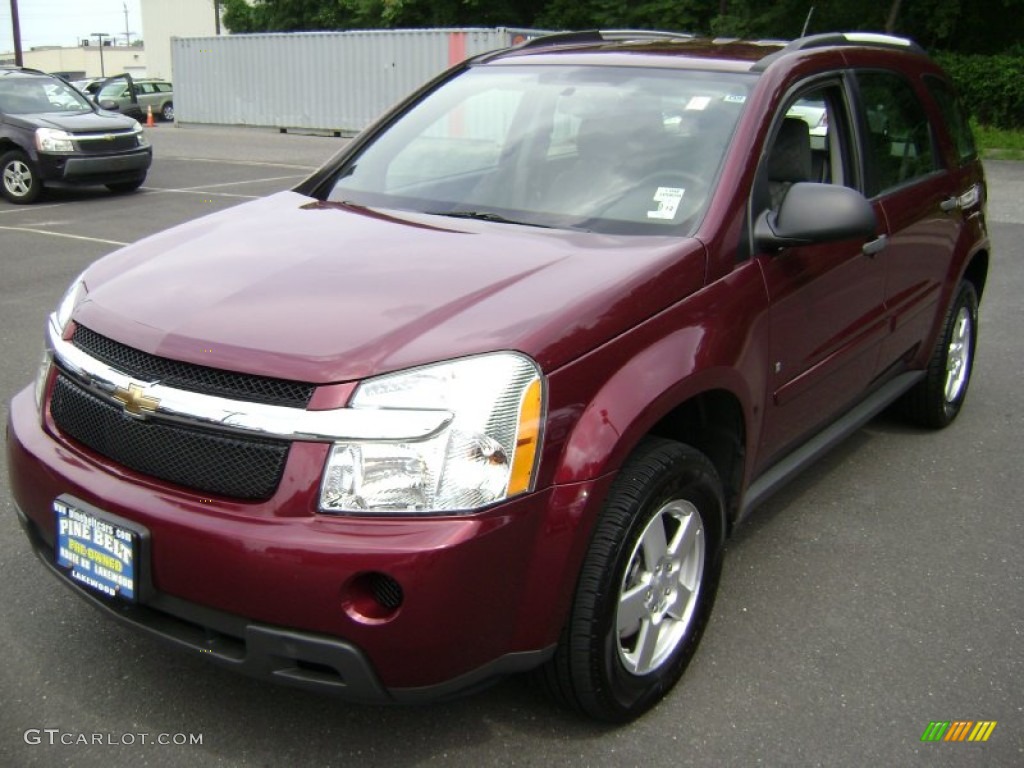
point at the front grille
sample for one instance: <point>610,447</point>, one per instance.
<point>222,465</point>
<point>100,145</point>
<point>194,378</point>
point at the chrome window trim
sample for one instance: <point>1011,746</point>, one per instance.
<point>239,417</point>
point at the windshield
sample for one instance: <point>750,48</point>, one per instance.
<point>39,95</point>
<point>623,150</point>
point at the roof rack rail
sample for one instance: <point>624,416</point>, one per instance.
<point>826,39</point>
<point>601,36</point>
<point>15,68</point>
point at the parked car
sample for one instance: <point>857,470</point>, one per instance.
<point>51,135</point>
<point>135,97</point>
<point>815,114</point>
<point>488,392</point>
<point>90,86</point>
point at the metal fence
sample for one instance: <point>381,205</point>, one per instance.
<point>321,81</point>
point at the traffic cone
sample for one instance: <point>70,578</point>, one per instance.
<point>150,122</point>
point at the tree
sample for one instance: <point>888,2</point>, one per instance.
<point>953,25</point>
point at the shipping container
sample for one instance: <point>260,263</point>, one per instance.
<point>336,82</point>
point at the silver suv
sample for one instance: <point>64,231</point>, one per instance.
<point>123,93</point>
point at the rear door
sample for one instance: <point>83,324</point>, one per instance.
<point>921,200</point>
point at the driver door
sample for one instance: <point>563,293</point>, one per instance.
<point>827,315</point>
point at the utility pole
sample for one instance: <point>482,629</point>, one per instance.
<point>101,35</point>
<point>16,32</point>
<point>127,34</point>
<point>216,16</point>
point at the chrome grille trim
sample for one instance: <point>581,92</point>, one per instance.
<point>254,419</point>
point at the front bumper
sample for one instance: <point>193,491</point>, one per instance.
<point>94,169</point>
<point>272,588</point>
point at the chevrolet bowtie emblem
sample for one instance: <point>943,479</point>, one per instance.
<point>135,400</point>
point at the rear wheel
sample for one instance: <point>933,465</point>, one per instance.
<point>647,585</point>
<point>936,400</point>
<point>19,182</point>
<point>168,113</point>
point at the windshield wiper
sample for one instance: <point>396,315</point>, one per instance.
<point>485,216</point>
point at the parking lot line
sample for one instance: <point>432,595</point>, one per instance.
<point>248,181</point>
<point>198,191</point>
<point>62,234</point>
<point>308,168</point>
<point>33,209</point>
<point>204,188</point>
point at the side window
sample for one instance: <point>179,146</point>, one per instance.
<point>956,121</point>
<point>163,87</point>
<point>811,143</point>
<point>899,137</point>
<point>145,87</point>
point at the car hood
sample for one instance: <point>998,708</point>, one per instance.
<point>84,122</point>
<point>291,287</point>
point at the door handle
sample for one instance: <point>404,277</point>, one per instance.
<point>950,204</point>
<point>876,246</point>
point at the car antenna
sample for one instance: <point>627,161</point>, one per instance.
<point>807,22</point>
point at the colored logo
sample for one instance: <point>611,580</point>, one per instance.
<point>958,730</point>
<point>135,400</point>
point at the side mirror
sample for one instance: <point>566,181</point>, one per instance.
<point>109,104</point>
<point>815,213</point>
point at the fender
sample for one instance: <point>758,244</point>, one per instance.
<point>683,352</point>
<point>975,247</point>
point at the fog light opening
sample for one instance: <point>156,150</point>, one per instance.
<point>372,597</point>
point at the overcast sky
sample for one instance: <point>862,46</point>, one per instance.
<point>67,22</point>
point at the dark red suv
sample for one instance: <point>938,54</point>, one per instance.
<point>489,391</point>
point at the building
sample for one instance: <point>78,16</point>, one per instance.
<point>87,60</point>
<point>165,19</point>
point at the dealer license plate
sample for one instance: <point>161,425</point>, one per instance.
<point>96,552</point>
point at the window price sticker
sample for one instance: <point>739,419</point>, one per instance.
<point>668,199</point>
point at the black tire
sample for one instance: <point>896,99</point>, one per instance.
<point>600,667</point>
<point>123,187</point>
<point>19,180</point>
<point>936,400</point>
<point>167,112</point>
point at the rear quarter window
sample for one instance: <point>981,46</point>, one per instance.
<point>954,117</point>
<point>901,147</point>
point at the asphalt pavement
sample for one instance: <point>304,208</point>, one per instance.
<point>879,592</point>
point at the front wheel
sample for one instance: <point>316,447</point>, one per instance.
<point>647,585</point>
<point>20,182</point>
<point>937,399</point>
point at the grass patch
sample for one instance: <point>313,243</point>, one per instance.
<point>999,144</point>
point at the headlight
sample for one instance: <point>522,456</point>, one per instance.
<point>42,375</point>
<point>140,135</point>
<point>488,451</point>
<point>60,318</point>
<point>72,296</point>
<point>53,140</point>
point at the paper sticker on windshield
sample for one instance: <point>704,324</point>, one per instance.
<point>699,103</point>
<point>734,98</point>
<point>667,199</point>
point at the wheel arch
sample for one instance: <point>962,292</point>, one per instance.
<point>707,410</point>
<point>712,422</point>
<point>977,271</point>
